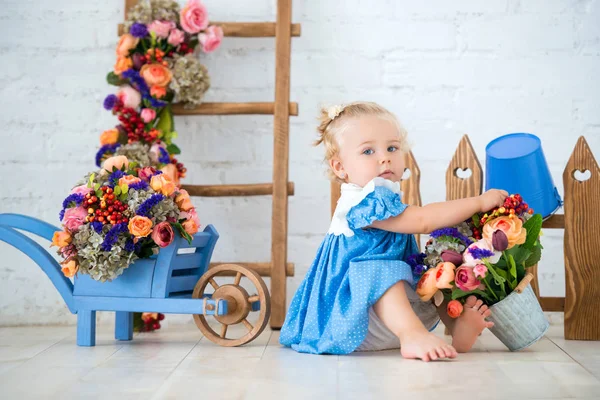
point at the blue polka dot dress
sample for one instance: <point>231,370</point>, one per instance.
<point>353,268</point>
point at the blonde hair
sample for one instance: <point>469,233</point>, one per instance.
<point>335,120</point>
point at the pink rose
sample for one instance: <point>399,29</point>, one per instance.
<point>74,218</point>
<point>211,40</point>
<point>83,189</point>
<point>484,245</point>
<point>176,37</point>
<point>148,115</point>
<point>194,17</point>
<point>162,234</point>
<point>161,28</point>
<point>146,173</point>
<point>480,271</point>
<point>170,170</point>
<point>190,215</point>
<point>465,279</point>
<point>129,96</point>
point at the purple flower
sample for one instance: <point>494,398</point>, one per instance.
<point>138,30</point>
<point>77,198</point>
<point>452,232</point>
<point>480,254</point>
<point>164,156</point>
<point>97,226</point>
<point>499,240</point>
<point>107,148</point>
<point>113,178</point>
<point>112,236</point>
<point>110,101</point>
<point>147,205</point>
<point>141,185</point>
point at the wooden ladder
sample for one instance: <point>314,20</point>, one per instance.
<point>283,29</point>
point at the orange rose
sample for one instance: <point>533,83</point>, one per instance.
<point>160,183</point>
<point>61,239</point>
<point>122,65</point>
<point>183,201</point>
<point>109,137</point>
<point>190,226</point>
<point>454,308</point>
<point>426,287</point>
<point>126,42</point>
<point>158,91</point>
<point>115,162</point>
<point>156,74</point>
<point>444,275</point>
<point>170,170</point>
<point>140,226</point>
<point>69,267</point>
<point>129,180</point>
<point>512,228</point>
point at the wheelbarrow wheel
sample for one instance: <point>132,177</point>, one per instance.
<point>239,304</point>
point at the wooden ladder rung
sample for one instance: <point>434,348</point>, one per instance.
<point>263,269</point>
<point>260,189</point>
<point>245,29</point>
<point>232,109</point>
<point>557,221</point>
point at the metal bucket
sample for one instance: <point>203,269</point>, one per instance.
<point>519,320</point>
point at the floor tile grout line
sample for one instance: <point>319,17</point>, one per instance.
<point>572,358</point>
<point>46,349</point>
<point>266,345</point>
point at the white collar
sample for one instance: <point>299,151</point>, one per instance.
<point>351,195</point>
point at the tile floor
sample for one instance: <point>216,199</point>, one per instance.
<point>176,362</point>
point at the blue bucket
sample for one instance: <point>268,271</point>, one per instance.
<point>516,163</point>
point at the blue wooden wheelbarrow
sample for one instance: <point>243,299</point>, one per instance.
<point>170,282</point>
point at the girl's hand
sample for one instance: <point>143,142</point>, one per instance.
<point>491,199</point>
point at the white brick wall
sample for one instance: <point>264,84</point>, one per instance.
<point>446,68</point>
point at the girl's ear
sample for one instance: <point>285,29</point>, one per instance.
<point>338,169</point>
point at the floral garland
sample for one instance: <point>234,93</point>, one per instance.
<point>156,66</point>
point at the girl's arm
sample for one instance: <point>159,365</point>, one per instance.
<point>415,219</point>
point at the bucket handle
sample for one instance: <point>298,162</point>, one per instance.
<point>524,282</point>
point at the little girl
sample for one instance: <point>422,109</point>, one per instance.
<point>359,293</point>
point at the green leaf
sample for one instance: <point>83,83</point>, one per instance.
<point>173,149</point>
<point>99,193</point>
<point>117,190</point>
<point>535,257</point>
<point>182,231</point>
<point>458,293</point>
<point>476,222</point>
<point>124,188</point>
<point>123,197</point>
<point>513,273</point>
<point>519,254</point>
<point>533,227</point>
<point>96,186</point>
<point>91,180</point>
<point>497,278</point>
<point>165,122</point>
<point>113,79</point>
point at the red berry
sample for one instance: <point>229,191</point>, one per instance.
<point>161,317</point>
<point>156,325</point>
<point>101,218</point>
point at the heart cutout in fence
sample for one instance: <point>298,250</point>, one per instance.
<point>582,176</point>
<point>406,175</point>
<point>463,173</point>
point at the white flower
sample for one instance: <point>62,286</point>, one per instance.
<point>334,111</point>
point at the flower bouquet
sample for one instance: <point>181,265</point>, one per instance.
<point>121,213</point>
<point>487,256</point>
<point>156,67</point>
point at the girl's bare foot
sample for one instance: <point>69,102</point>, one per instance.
<point>470,324</point>
<point>426,346</point>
